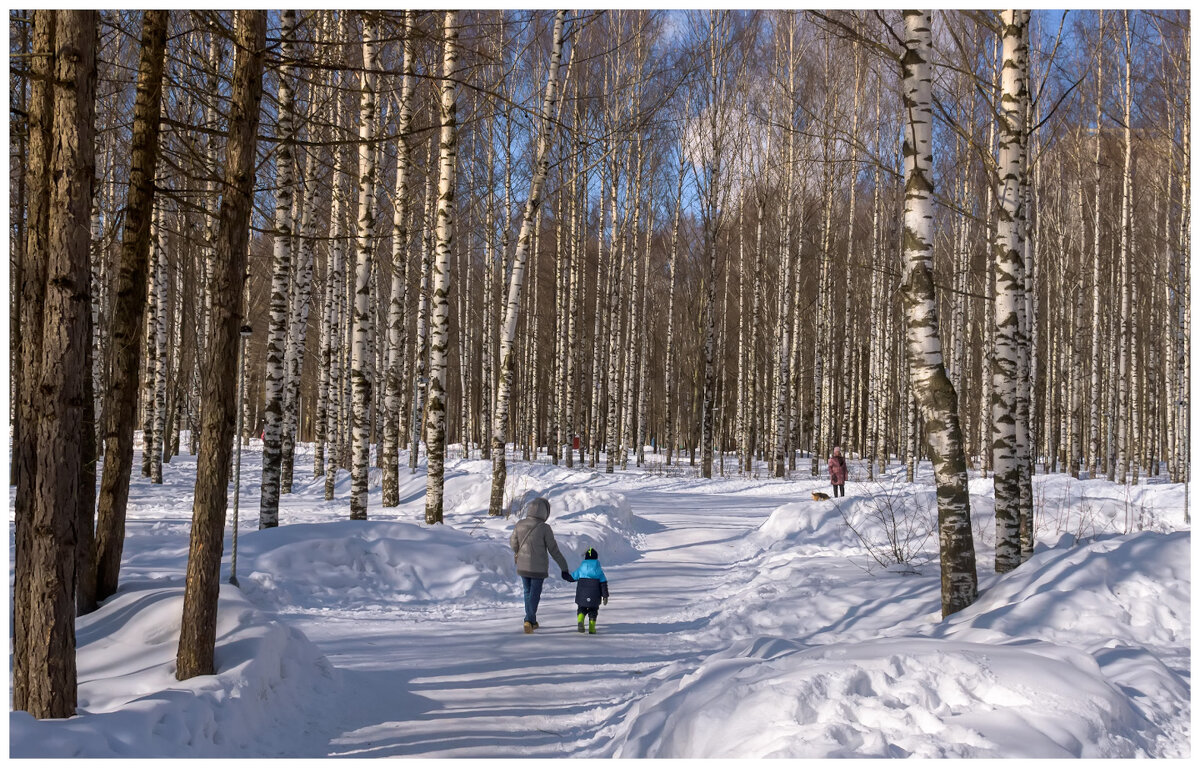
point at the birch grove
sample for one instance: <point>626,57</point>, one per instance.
<point>649,241</point>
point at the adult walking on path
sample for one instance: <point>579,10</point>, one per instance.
<point>837,472</point>
<point>533,545</point>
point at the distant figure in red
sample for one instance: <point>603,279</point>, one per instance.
<point>837,472</point>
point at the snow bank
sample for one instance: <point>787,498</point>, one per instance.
<point>1082,652</point>
<point>271,685</point>
<point>1134,589</point>
<point>366,564</point>
<point>583,518</point>
<point>910,697</point>
<point>387,565</point>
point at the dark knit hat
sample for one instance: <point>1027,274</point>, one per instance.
<point>591,554</point>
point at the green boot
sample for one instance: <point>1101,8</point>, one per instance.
<point>579,618</point>
<point>591,626</point>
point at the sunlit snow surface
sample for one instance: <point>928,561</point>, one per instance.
<point>746,620</point>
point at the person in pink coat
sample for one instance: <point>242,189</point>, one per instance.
<point>837,472</point>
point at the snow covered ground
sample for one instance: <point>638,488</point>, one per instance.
<point>746,620</point>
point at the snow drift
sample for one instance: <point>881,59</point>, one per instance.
<point>271,683</point>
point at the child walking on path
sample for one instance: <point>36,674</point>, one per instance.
<point>591,589</point>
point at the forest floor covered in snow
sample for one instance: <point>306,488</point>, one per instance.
<point>745,620</point>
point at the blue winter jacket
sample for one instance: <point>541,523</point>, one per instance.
<point>590,584</point>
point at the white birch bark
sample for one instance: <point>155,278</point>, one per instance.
<point>361,380</point>
<point>301,304</point>
<point>517,278</point>
<point>1125,340</point>
<point>574,286</point>
<point>936,394</point>
<point>397,316</point>
<point>631,349</point>
<point>420,367</point>
<point>987,361</point>
<point>1009,294</point>
<point>876,374</point>
<point>1094,421</point>
<point>783,328</point>
<point>159,361</point>
<point>336,291</point>
<point>669,404</point>
<point>436,439</point>
<point>281,278</point>
<point>612,316</point>
<point>1181,321</point>
<point>1025,319</point>
<point>711,226</point>
<point>846,345</point>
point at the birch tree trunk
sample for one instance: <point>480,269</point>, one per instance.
<point>1125,341</point>
<point>939,402</point>
<point>360,362</point>
<point>783,348</point>
<point>1181,459</point>
<point>1094,421</point>
<point>420,378</point>
<point>293,360</point>
<point>669,404</point>
<point>336,292</point>
<point>1009,301</point>
<point>711,226</point>
<point>440,305</point>
<point>876,374</point>
<point>281,278</point>
<point>198,628</point>
<point>397,315</point>
<point>159,362</point>
<point>988,355</point>
<point>516,282</point>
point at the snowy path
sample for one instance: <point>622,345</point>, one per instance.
<point>745,621</point>
<point>473,685</point>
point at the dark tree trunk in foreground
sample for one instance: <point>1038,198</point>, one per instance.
<point>33,288</point>
<point>66,310</point>
<point>129,308</point>
<point>198,635</point>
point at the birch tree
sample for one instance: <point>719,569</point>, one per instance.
<point>1009,292</point>
<point>939,403</point>
<point>360,361</point>
<point>393,379</point>
<point>281,278</point>
<point>440,304</point>
<point>517,276</point>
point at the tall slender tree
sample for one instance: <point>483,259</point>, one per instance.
<point>198,628</point>
<point>517,275</point>
<point>120,398</point>
<point>440,301</point>
<point>1009,293</point>
<point>361,378</point>
<point>281,280</point>
<point>939,403</point>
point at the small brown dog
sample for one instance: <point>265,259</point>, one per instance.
<point>818,496</point>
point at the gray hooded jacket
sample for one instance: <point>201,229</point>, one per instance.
<point>533,543</point>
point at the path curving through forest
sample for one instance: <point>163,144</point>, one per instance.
<point>470,683</point>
